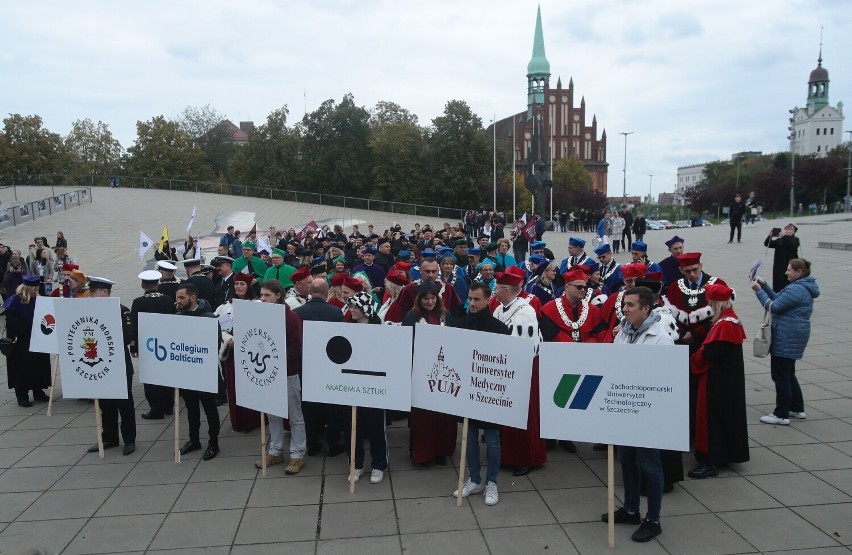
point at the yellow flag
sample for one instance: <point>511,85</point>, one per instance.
<point>164,238</point>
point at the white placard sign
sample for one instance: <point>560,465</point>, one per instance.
<point>472,374</point>
<point>179,351</point>
<point>260,356</point>
<point>43,338</point>
<point>635,395</point>
<point>360,365</point>
<point>91,354</point>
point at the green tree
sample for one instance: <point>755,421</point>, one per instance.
<point>460,153</point>
<point>398,149</point>
<point>164,150</point>
<point>336,148</point>
<point>271,158</point>
<point>92,150</point>
<point>27,149</point>
<point>212,133</point>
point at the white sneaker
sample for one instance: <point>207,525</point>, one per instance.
<point>357,476</point>
<point>491,495</point>
<point>376,476</point>
<point>772,419</point>
<point>799,415</point>
<point>469,488</point>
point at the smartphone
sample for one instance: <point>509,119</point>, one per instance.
<point>776,231</point>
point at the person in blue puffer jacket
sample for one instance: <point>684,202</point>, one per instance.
<point>791,328</point>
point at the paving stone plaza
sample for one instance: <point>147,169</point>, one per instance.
<point>795,495</point>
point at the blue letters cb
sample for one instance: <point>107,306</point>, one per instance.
<point>156,348</point>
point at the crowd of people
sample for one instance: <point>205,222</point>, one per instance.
<point>459,275</point>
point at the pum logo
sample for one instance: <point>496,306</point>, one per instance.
<point>585,392</point>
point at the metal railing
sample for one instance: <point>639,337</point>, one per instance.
<point>15,213</point>
<point>270,193</point>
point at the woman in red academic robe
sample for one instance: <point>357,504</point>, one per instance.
<point>433,434</point>
<point>721,432</point>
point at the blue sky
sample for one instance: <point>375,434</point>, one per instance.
<point>694,81</point>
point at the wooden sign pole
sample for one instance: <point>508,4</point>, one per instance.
<point>610,495</point>
<point>263,441</point>
<point>52,384</point>
<point>462,461</point>
<point>99,429</point>
<point>177,425</point>
<point>352,451</point>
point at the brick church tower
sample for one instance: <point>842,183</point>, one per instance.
<point>552,127</point>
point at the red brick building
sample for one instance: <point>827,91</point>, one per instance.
<point>561,119</point>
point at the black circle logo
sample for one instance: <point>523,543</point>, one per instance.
<point>338,349</point>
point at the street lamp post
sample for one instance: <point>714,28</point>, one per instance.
<point>650,182</point>
<point>494,129</point>
<point>847,202</point>
<point>624,189</point>
<point>792,130</point>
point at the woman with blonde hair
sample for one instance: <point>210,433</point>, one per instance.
<point>25,370</point>
<point>721,432</point>
<point>394,282</point>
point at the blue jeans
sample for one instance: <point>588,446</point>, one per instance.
<point>788,393</point>
<point>492,445</point>
<point>635,463</point>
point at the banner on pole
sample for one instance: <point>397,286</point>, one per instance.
<point>43,337</point>
<point>472,374</point>
<point>635,395</point>
<point>91,354</point>
<point>260,356</point>
<point>343,365</point>
<point>179,351</point>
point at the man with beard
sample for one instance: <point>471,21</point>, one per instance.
<point>186,302</point>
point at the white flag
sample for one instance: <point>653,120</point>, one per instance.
<point>191,219</point>
<point>145,243</point>
<point>263,244</point>
<point>524,218</point>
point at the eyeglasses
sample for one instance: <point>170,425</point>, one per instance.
<point>579,287</point>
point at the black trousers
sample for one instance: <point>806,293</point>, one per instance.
<point>739,227</point>
<point>369,425</point>
<point>111,409</point>
<point>160,398</point>
<point>191,399</point>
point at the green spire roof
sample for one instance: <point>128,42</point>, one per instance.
<point>538,63</point>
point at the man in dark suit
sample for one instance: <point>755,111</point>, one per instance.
<point>317,414</point>
<point>206,289</point>
<point>159,397</point>
<point>225,289</point>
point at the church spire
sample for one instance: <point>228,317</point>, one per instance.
<point>818,85</point>
<point>538,70</point>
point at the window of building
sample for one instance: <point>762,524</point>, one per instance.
<point>818,147</point>
<point>832,131</point>
<point>817,130</point>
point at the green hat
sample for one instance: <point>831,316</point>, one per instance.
<point>461,242</point>
<point>491,247</point>
<point>279,252</point>
<point>249,245</point>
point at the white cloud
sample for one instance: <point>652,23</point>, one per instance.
<point>694,81</point>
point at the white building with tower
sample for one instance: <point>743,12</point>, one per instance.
<point>818,127</point>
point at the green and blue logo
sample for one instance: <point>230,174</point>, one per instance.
<point>567,385</point>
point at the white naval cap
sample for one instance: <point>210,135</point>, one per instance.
<point>166,265</point>
<point>150,275</point>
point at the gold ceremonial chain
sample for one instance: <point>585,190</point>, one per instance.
<point>575,326</point>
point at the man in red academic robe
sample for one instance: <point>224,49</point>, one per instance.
<point>429,272</point>
<point>572,319</point>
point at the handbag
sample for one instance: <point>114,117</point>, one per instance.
<point>7,345</point>
<point>763,339</point>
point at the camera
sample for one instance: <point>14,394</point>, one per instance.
<point>776,231</point>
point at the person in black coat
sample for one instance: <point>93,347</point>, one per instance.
<point>319,415</point>
<point>194,275</point>
<point>111,409</point>
<point>479,318</point>
<point>159,397</point>
<point>25,370</point>
<point>735,217</point>
<point>786,246</point>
